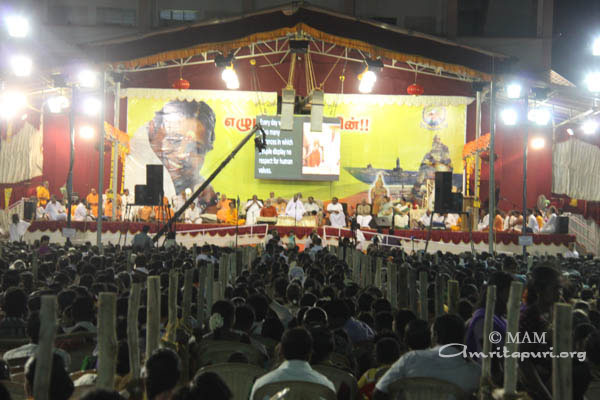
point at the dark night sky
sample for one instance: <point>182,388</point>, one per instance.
<point>576,23</point>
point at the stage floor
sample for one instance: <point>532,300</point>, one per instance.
<point>225,235</point>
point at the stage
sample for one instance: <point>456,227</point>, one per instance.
<point>225,235</point>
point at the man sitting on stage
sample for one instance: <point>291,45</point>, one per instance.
<point>92,200</point>
<point>311,206</point>
<point>43,194</point>
<point>386,210</point>
<point>425,219</point>
<point>269,210</point>
<point>363,214</point>
<point>252,208</point>
<point>222,208</point>
<point>280,206</point>
<point>55,211</point>
<point>337,218</point>
<point>81,212</point>
<point>295,208</point>
<point>192,214</point>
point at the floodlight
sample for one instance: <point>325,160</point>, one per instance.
<point>596,47</point>
<point>592,81</point>
<point>230,78</point>
<point>21,65</point>
<point>87,132</point>
<point>538,143</point>
<point>589,127</point>
<point>88,78</point>
<point>509,116</point>
<point>11,102</point>
<point>367,81</point>
<point>17,26</point>
<point>541,116</point>
<point>91,106</point>
<point>57,103</point>
<point>570,131</point>
<point>513,90</point>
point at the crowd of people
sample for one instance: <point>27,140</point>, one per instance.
<point>303,317</point>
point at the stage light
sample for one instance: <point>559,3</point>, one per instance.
<point>541,116</point>
<point>367,81</point>
<point>589,127</point>
<point>87,132</point>
<point>570,131</point>
<point>11,102</point>
<point>91,106</point>
<point>538,143</point>
<point>87,78</point>
<point>24,117</point>
<point>513,90</point>
<point>21,65</point>
<point>592,81</point>
<point>17,26</point>
<point>596,47</point>
<point>509,116</point>
<point>57,103</point>
<point>230,78</point>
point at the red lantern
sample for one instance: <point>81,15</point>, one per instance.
<point>415,89</point>
<point>181,84</point>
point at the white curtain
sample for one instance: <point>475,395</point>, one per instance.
<point>21,156</point>
<point>576,170</point>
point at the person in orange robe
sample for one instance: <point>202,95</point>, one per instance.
<point>268,210</point>
<point>92,200</point>
<point>280,206</point>
<point>232,215</point>
<point>43,194</point>
<point>163,214</point>
<point>498,222</point>
<point>223,208</point>
<point>145,213</point>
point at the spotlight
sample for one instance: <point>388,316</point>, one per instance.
<point>570,131</point>
<point>592,81</point>
<point>367,81</point>
<point>91,106</point>
<point>21,65</point>
<point>513,90</point>
<point>230,78</point>
<point>538,143</point>
<point>87,132</point>
<point>596,47</point>
<point>540,116</point>
<point>589,127</point>
<point>509,116</point>
<point>87,78</point>
<point>57,103</point>
<point>17,26</point>
<point>10,103</point>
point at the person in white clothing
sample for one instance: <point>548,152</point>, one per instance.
<point>532,224</point>
<point>81,212</point>
<point>438,220</point>
<point>252,208</point>
<point>552,223</point>
<point>425,219</point>
<point>192,215</point>
<point>40,214</point>
<point>55,211</point>
<point>17,228</point>
<point>451,220</point>
<point>295,208</point>
<point>337,218</point>
<point>572,252</point>
<point>484,221</point>
<point>296,347</point>
<point>311,206</point>
<point>127,199</point>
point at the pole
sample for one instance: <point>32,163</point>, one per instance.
<point>525,147</point>
<point>115,143</point>
<point>72,154</point>
<point>476,204</point>
<point>100,164</point>
<point>492,194</point>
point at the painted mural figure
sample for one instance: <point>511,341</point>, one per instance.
<point>437,159</point>
<point>378,193</point>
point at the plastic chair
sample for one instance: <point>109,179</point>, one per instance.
<point>339,377</point>
<point>218,351</point>
<point>426,389</point>
<point>297,391</point>
<point>16,389</point>
<point>238,377</point>
<point>79,345</point>
<point>17,365</point>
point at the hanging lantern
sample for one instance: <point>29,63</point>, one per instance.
<point>415,89</point>
<point>181,84</point>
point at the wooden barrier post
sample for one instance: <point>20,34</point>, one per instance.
<point>107,340</point>
<point>510,363</point>
<point>153,315</point>
<point>348,257</point>
<point>413,292</point>
<point>200,299</point>
<point>439,295</point>
<point>129,266</point>
<point>562,339</point>
<point>485,387</point>
<point>173,288</point>
<point>224,269</point>
<point>424,309</point>
<point>356,256</point>
<point>44,352</point>
<point>378,272</point>
<point>133,335</point>
<point>187,297</point>
<point>402,288</point>
<point>194,254</point>
<point>35,268</point>
<point>210,282</point>
<point>453,296</point>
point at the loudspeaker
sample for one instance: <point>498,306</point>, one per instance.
<point>562,225</point>
<point>29,210</point>
<point>456,203</point>
<point>154,184</point>
<point>443,190</point>
<point>140,195</point>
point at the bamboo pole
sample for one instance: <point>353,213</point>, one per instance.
<point>402,291</point>
<point>35,268</point>
<point>439,295</point>
<point>224,268</point>
<point>172,322</point>
<point>133,334</point>
<point>153,315</point>
<point>187,296</point>
<point>129,266</point>
<point>44,352</point>
<point>423,309</point>
<point>562,339</point>
<point>107,340</point>
<point>210,281</point>
<point>356,267</point>
<point>413,298</point>
<point>392,283</point>
<point>200,299</point>
<point>453,296</point>
<point>510,363</point>
<point>378,272</point>
<point>488,326</point>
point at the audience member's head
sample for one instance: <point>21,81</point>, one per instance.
<point>61,386</point>
<point>417,335</point>
<point>209,385</point>
<point>163,370</point>
<point>296,344</point>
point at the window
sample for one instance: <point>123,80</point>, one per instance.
<point>115,16</point>
<point>169,16</point>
